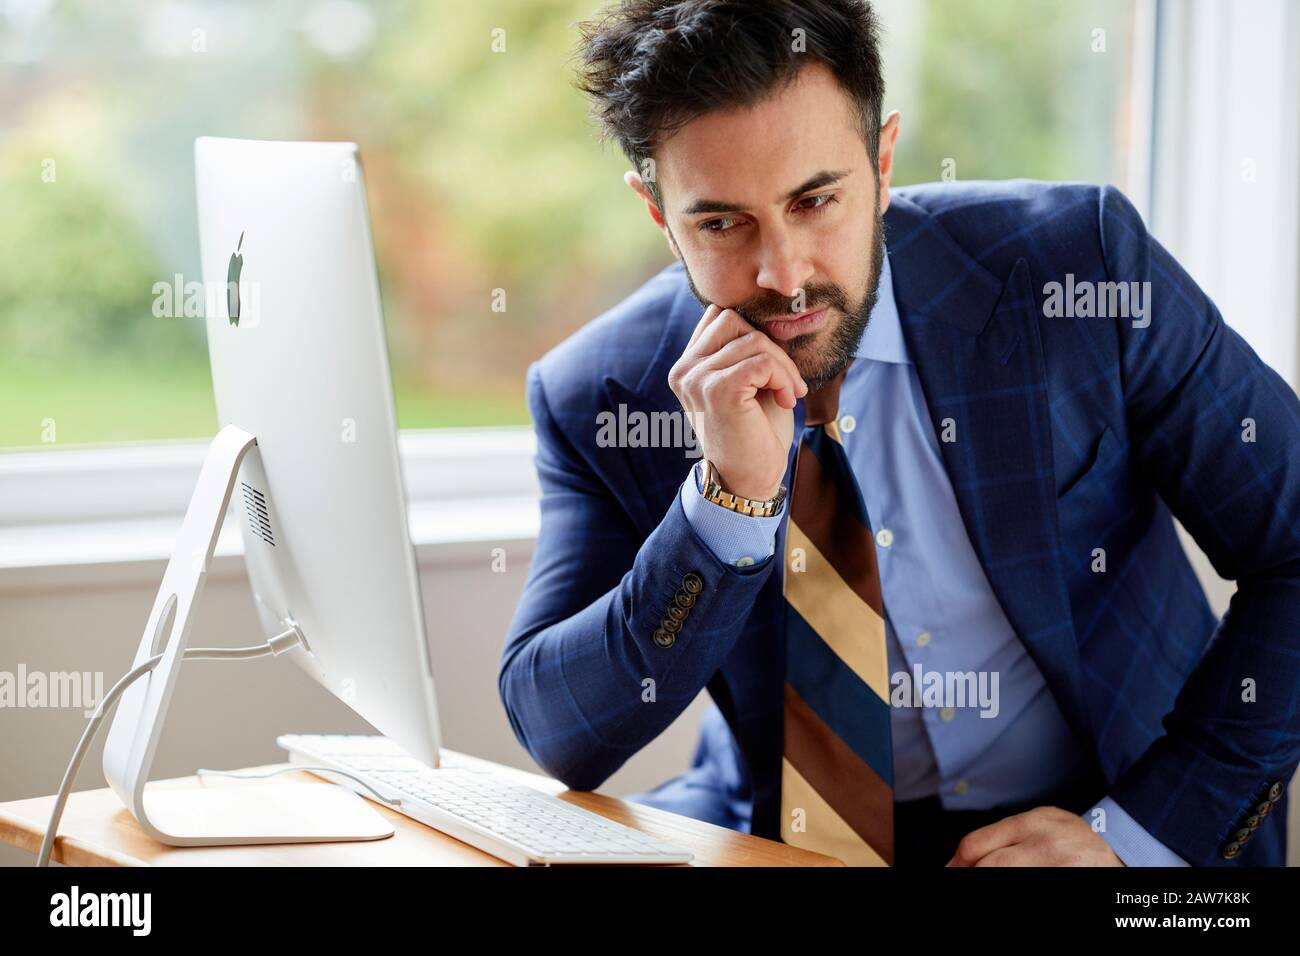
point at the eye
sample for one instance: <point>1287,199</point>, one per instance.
<point>723,227</point>
<point>718,227</point>
<point>827,199</point>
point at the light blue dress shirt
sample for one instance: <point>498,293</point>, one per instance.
<point>940,613</point>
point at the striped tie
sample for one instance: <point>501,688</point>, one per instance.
<point>837,774</point>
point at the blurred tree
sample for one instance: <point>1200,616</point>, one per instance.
<point>492,176</point>
<point>1013,88</point>
<point>78,274</point>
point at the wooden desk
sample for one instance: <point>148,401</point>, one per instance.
<point>97,830</point>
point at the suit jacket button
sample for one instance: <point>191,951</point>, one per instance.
<point>1252,821</point>
<point>1275,792</point>
<point>692,583</point>
<point>1231,850</point>
<point>663,638</point>
<point>669,625</point>
<point>1244,834</point>
<point>1264,809</point>
<point>677,613</point>
<point>684,600</point>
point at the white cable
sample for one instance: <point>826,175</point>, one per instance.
<point>88,736</point>
<point>259,776</point>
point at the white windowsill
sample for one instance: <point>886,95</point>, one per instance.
<point>109,516</point>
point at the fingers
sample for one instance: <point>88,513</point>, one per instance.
<point>709,315</point>
<point>727,328</point>
<point>753,343</point>
<point>761,371</point>
<point>722,343</point>
<point>726,325</point>
<point>978,844</point>
<point>1009,856</point>
<point>683,369</point>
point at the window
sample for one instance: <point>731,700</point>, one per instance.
<point>1009,89</point>
<point>482,168</point>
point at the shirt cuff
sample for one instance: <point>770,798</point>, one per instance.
<point>1131,843</point>
<point>740,540</point>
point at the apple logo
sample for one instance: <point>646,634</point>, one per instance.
<point>232,282</point>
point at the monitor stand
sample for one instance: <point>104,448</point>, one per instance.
<point>234,814</point>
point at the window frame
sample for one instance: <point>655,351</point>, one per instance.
<point>122,505</point>
<point>464,486</point>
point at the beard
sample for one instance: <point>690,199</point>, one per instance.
<point>819,363</point>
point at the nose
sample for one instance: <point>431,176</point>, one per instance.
<point>783,266</point>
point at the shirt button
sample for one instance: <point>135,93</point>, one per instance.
<point>848,423</point>
<point>961,787</point>
<point>947,713</point>
<point>884,537</point>
<point>744,562</point>
<point>923,639</point>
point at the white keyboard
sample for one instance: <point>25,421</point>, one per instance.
<point>516,823</point>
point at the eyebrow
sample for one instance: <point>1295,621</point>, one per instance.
<point>825,178</point>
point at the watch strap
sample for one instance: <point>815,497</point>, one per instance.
<point>712,490</point>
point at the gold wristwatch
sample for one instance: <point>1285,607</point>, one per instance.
<point>711,489</point>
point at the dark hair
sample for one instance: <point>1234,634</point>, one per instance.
<point>652,66</point>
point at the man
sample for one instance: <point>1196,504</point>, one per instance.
<point>941,431</point>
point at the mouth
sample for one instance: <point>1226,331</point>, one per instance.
<point>801,324</point>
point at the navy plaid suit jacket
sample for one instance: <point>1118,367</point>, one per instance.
<point>1072,434</point>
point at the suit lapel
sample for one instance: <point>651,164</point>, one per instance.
<point>655,471</point>
<point>978,354</point>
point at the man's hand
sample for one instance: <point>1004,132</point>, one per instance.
<point>1045,836</point>
<point>739,389</point>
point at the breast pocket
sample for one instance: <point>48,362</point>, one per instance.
<point>1095,466</point>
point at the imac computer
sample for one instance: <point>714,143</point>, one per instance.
<point>306,460</point>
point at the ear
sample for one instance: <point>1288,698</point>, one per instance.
<point>635,183</point>
<point>888,134</point>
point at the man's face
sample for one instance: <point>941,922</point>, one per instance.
<point>775,213</point>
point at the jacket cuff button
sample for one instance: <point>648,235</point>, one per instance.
<point>663,638</point>
<point>692,583</point>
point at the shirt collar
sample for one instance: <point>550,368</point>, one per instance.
<point>883,338</point>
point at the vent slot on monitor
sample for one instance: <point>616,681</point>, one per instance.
<point>259,518</point>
